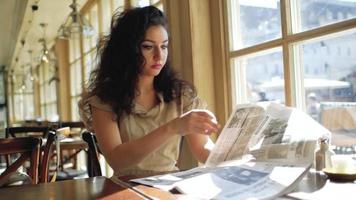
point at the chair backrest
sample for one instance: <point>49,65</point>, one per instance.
<point>14,131</point>
<point>47,152</point>
<point>29,148</point>
<point>93,167</point>
<point>77,124</point>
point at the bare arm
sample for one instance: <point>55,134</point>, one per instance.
<point>118,154</point>
<point>121,155</point>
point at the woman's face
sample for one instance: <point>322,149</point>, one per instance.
<point>154,49</point>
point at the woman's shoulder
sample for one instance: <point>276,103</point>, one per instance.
<point>98,103</point>
<point>87,101</point>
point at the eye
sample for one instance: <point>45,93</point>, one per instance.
<point>146,46</point>
<point>164,47</point>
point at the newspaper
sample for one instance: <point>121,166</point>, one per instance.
<point>261,153</point>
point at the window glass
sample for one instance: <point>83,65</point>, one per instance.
<point>118,4</point>
<point>86,41</point>
<point>19,107</point>
<point>48,90</point>
<point>142,3</point>
<point>94,21</point>
<point>330,84</point>
<point>159,6</point>
<point>75,74</point>
<point>74,49</point>
<point>106,11</point>
<point>75,109</point>
<point>316,13</point>
<point>154,1</point>
<point>253,22</point>
<point>264,76</point>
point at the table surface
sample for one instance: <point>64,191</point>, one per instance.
<point>88,188</point>
<point>313,186</point>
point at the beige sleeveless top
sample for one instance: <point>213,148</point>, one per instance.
<point>141,122</point>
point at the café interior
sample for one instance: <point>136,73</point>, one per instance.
<point>300,54</point>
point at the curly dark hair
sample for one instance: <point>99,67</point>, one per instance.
<point>115,78</point>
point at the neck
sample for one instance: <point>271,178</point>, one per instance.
<point>145,85</point>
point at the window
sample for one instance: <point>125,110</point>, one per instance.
<point>312,50</point>
<point>254,69</point>
<point>156,3</point>
<point>75,68</point>
<point>318,13</point>
<point>48,91</point>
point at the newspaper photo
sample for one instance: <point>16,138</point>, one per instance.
<point>261,153</point>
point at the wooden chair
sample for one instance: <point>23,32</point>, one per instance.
<point>25,131</point>
<point>28,148</point>
<point>68,152</point>
<point>75,128</point>
<point>47,154</point>
<point>93,166</point>
<point>76,124</point>
<point>16,131</point>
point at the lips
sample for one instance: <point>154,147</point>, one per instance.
<point>156,66</point>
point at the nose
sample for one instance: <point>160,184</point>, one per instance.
<point>157,53</point>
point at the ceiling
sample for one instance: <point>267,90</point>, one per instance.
<point>20,29</point>
<point>11,15</point>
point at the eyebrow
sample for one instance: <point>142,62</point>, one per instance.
<point>148,40</point>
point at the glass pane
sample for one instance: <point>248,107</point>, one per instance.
<point>118,4</point>
<point>264,76</point>
<point>86,40</point>
<point>95,23</point>
<point>75,109</point>
<point>76,48</point>
<point>253,22</point>
<point>154,1</point>
<point>72,80</point>
<point>28,106</point>
<point>316,13</point>
<point>142,3</point>
<point>53,92</point>
<point>19,107</point>
<point>106,10</point>
<point>160,6</point>
<point>78,82</point>
<point>89,64</point>
<point>330,85</point>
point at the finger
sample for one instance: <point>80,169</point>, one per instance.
<point>211,124</point>
<point>211,127</point>
<point>204,128</point>
<point>209,115</point>
<point>206,119</point>
<point>199,130</point>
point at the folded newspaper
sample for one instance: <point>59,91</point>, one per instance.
<point>261,153</point>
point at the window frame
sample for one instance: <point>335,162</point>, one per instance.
<point>293,75</point>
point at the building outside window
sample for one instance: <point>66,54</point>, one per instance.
<point>313,50</point>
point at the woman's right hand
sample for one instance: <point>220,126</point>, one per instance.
<point>196,122</point>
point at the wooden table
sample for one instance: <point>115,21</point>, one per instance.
<point>88,188</point>
<point>314,186</point>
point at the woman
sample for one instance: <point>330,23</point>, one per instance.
<point>136,105</point>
